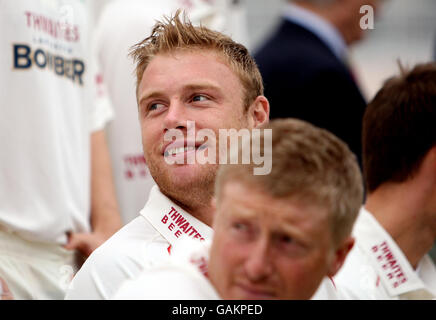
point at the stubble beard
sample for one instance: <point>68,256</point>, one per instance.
<point>190,194</point>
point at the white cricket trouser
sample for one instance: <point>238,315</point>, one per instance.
<point>35,270</point>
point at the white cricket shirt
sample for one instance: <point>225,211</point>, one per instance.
<point>49,107</point>
<point>182,277</point>
<point>143,243</point>
<point>376,268</point>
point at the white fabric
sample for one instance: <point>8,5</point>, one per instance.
<point>35,270</point>
<point>122,24</point>
<point>327,291</point>
<point>137,245</point>
<point>47,115</point>
<point>181,277</point>
<point>376,268</point>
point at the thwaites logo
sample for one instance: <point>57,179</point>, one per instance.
<point>179,225</point>
<point>56,33</point>
<point>389,264</point>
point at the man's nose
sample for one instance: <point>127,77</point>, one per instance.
<point>176,116</point>
<point>258,264</point>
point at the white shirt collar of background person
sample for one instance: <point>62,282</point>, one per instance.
<point>171,221</point>
<point>319,26</point>
<point>392,267</point>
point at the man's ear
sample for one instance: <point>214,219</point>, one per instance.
<point>340,254</point>
<point>258,112</point>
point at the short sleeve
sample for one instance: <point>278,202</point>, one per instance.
<point>101,109</point>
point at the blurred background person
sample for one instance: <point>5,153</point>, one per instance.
<point>304,66</point>
<point>56,190</point>
<point>397,226</point>
<point>403,29</point>
<point>123,23</point>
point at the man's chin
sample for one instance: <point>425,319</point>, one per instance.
<point>185,178</point>
<point>186,173</point>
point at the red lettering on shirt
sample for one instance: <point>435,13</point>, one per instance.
<point>57,29</point>
<point>193,231</point>
<point>134,164</point>
<point>172,210</point>
<point>180,225</point>
<point>180,220</point>
<point>389,264</point>
<point>185,226</point>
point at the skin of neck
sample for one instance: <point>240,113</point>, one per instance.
<point>407,210</point>
<point>198,205</point>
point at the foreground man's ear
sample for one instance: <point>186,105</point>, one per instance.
<point>258,112</point>
<point>340,255</point>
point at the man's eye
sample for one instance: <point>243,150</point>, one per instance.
<point>240,226</point>
<point>286,240</point>
<point>155,106</point>
<point>289,244</point>
<point>199,98</point>
<point>242,229</point>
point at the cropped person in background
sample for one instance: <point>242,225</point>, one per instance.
<point>276,236</point>
<point>304,66</point>
<point>397,226</point>
<point>122,23</point>
<point>56,191</point>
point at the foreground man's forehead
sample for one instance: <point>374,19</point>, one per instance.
<point>237,201</point>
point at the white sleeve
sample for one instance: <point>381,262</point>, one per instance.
<point>102,110</point>
<point>102,274</point>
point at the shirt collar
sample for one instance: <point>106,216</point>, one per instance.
<point>171,221</point>
<point>395,271</point>
<point>319,26</point>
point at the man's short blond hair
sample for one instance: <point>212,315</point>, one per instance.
<point>308,164</point>
<point>173,34</point>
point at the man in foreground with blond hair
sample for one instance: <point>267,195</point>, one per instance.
<point>187,78</point>
<point>277,236</point>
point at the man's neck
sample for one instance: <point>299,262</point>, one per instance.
<point>399,209</point>
<point>326,13</point>
<point>201,211</point>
